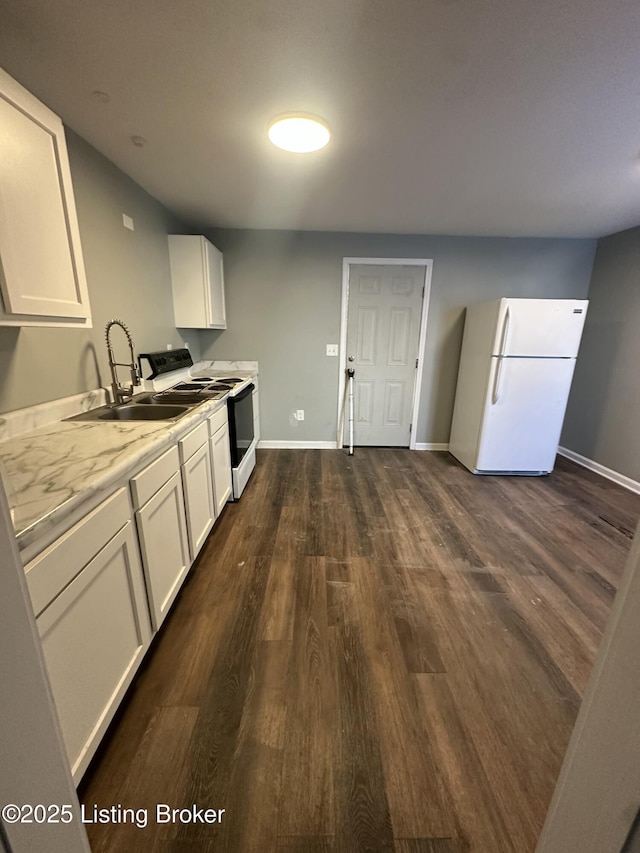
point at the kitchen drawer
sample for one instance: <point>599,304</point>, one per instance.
<point>145,484</point>
<point>218,419</point>
<point>193,441</point>
<point>50,572</point>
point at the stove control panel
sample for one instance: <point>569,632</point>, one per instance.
<point>166,361</point>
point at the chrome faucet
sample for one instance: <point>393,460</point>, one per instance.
<point>121,393</point>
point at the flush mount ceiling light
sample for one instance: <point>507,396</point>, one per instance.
<point>299,133</point>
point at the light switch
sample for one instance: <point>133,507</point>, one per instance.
<point>127,221</point>
<point>332,349</point>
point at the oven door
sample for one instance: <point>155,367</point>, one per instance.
<point>240,424</point>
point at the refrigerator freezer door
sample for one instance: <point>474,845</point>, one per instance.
<point>546,328</point>
<point>523,415</point>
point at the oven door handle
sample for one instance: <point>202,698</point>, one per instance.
<point>242,394</point>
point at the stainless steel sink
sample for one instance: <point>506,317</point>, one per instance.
<point>144,410</point>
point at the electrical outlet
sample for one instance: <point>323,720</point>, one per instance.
<point>300,415</point>
<point>169,346</point>
<point>332,349</point>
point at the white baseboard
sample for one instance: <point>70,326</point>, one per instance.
<point>269,444</point>
<point>272,444</point>
<point>620,479</point>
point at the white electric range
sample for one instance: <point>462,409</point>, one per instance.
<point>173,380</point>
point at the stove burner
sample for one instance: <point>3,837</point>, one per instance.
<point>199,396</point>
<point>188,386</point>
<point>229,381</point>
<point>198,389</point>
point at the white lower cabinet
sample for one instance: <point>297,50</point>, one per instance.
<point>96,603</point>
<point>221,467</point>
<point>220,458</point>
<point>164,547</point>
<point>198,497</point>
<point>96,630</point>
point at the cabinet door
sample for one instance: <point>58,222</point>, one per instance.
<point>94,635</point>
<point>221,467</point>
<point>197,282</point>
<point>163,544</point>
<point>217,315</point>
<point>41,270</point>
<point>198,497</point>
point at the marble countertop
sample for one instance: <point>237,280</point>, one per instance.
<point>51,467</point>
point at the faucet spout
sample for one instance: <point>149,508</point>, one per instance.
<point>121,393</point>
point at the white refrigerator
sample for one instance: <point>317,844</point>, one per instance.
<point>516,367</point>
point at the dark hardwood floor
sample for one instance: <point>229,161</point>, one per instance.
<point>378,652</point>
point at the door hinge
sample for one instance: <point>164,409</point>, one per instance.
<point>410,427</point>
<point>416,363</point>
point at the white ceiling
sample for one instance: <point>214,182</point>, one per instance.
<point>477,117</point>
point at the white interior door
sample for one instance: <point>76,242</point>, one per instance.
<point>383,326</point>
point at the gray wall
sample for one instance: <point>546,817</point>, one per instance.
<point>283,293</point>
<point>128,278</point>
<point>283,303</point>
<point>604,406</point>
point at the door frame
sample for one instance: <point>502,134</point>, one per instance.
<point>595,803</point>
<point>347,263</point>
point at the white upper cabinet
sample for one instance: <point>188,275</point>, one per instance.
<point>42,278</point>
<point>197,279</point>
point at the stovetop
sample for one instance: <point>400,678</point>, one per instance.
<point>199,388</point>
<point>171,379</point>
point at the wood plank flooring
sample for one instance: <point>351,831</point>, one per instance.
<point>373,653</point>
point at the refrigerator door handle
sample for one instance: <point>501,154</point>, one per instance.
<point>495,394</point>
<point>505,332</point>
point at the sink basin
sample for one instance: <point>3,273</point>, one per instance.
<point>146,412</point>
